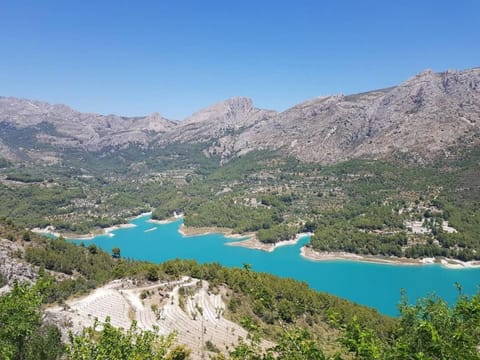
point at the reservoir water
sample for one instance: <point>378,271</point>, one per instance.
<point>375,285</point>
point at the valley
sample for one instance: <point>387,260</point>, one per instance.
<point>373,179</point>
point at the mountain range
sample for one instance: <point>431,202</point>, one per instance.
<point>424,116</point>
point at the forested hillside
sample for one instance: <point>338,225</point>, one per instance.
<point>366,207</point>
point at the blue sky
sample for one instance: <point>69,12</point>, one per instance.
<point>177,56</point>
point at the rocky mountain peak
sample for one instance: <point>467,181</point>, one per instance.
<point>225,110</point>
<point>155,116</point>
<point>238,102</point>
<point>220,119</point>
<point>425,74</point>
<point>154,122</point>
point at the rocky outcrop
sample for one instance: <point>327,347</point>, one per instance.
<point>11,267</point>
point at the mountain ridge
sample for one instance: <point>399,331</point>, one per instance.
<point>423,116</point>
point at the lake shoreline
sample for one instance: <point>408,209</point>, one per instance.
<point>187,231</point>
<point>313,255</point>
<point>90,236</point>
<point>254,243</point>
<point>309,254</point>
<point>250,241</point>
<point>165,221</point>
<point>341,276</point>
<point>50,230</point>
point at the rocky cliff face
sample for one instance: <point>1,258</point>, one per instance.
<point>224,118</point>
<point>11,268</point>
<point>39,125</point>
<point>423,116</point>
<point>219,125</point>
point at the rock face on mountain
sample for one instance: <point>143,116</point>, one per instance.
<point>219,125</point>
<point>423,116</point>
<point>11,268</point>
<point>43,126</point>
<point>224,118</point>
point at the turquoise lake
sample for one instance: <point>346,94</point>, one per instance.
<point>375,285</point>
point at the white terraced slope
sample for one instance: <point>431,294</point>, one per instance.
<point>201,321</point>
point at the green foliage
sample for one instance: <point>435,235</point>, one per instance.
<point>361,341</point>
<point>92,248</point>
<point>294,344</point>
<point>298,344</point>
<point>22,334</point>
<point>343,236</point>
<point>62,256</point>
<point>26,236</point>
<point>465,243</point>
<point>95,266</point>
<point>27,136</point>
<point>29,205</point>
<point>364,213</point>
<point>257,192</point>
<point>113,343</point>
<point>277,233</point>
<point>242,167</point>
<point>434,330</point>
<point>252,294</point>
<point>152,273</point>
<point>428,330</point>
<point>226,213</point>
<point>119,160</point>
<point>45,344</point>
<point>19,315</point>
<point>364,196</point>
<point>116,252</point>
<point>24,177</point>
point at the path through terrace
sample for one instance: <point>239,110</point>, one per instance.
<point>185,306</point>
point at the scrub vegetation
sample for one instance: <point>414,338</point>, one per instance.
<point>359,206</point>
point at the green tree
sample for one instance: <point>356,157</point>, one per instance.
<point>116,252</point>
<point>114,343</point>
<point>22,335</point>
<point>298,344</point>
<point>294,344</point>
<point>19,315</point>
<point>430,329</point>
<point>362,342</point>
<point>92,248</point>
<point>152,273</point>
